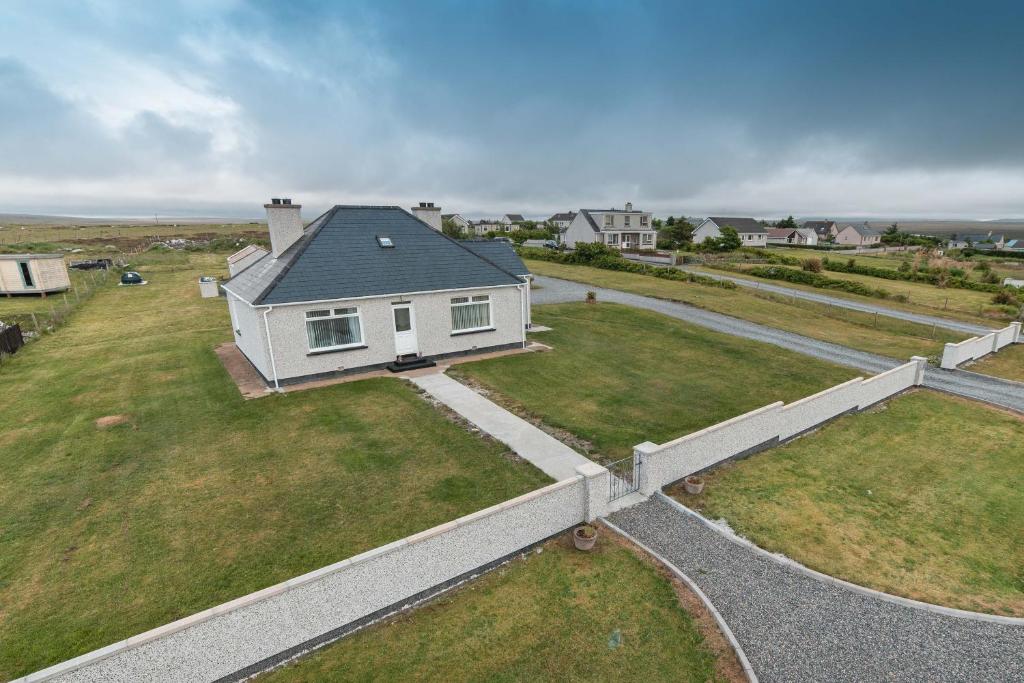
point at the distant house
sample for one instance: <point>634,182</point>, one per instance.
<point>809,237</point>
<point>562,220</point>
<point>367,287</point>
<point>858,236</point>
<point>791,236</point>
<point>979,241</point>
<point>620,228</point>
<point>486,225</point>
<point>752,233</point>
<point>460,222</point>
<point>1014,245</point>
<point>33,274</point>
<point>512,220</point>
<point>825,230</point>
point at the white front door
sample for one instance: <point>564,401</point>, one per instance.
<point>405,330</point>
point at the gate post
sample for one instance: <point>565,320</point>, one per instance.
<point>649,479</point>
<point>595,490</point>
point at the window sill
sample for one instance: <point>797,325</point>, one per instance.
<point>477,330</point>
<point>322,352</point>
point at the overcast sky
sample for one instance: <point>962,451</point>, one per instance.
<point>900,109</point>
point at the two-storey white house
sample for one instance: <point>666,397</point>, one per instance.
<point>621,228</point>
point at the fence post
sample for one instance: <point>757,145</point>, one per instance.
<point>650,479</point>
<point>595,492</point>
<point>1015,337</point>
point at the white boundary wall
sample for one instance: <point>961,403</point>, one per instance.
<point>669,462</point>
<point>976,347</point>
<point>225,639</point>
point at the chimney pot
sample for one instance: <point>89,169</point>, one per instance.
<point>286,201</point>
<point>284,221</point>
<point>275,200</point>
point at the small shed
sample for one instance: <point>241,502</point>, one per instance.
<point>33,274</point>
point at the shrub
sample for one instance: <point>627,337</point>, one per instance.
<point>1004,297</point>
<point>812,265</point>
<point>990,277</point>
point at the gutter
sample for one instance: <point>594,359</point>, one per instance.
<point>270,346</point>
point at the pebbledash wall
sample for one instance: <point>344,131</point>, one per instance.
<point>244,636</point>
<point>976,347</point>
<point>767,426</point>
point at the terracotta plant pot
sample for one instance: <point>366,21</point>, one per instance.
<point>693,485</point>
<point>584,537</point>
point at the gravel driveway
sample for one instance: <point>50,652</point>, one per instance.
<point>794,627</point>
<point>999,392</point>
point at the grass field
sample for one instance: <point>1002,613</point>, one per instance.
<point>77,234</point>
<point>922,498</point>
<point>560,615</point>
<point>619,376</point>
<point>1008,363</point>
<point>928,298</point>
<point>891,337</point>
<point>193,496</point>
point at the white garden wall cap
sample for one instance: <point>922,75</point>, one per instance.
<point>647,447</point>
<point>893,371</point>
<point>870,592</point>
<point>516,502</point>
<point>591,469</point>
<point>433,531</point>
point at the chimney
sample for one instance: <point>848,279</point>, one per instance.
<point>629,206</point>
<point>284,220</point>
<point>429,214</point>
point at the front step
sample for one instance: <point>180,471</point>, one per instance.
<point>411,364</point>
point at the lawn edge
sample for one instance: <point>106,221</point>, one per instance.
<point>678,573</point>
<point>856,588</point>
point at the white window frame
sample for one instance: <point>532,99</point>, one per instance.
<point>646,238</point>
<point>626,219</point>
<point>334,315</point>
<point>609,220</point>
<point>644,220</point>
<point>472,300</point>
<point>613,238</point>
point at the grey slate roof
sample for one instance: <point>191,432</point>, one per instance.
<point>562,217</point>
<point>864,230</point>
<point>515,217</point>
<point>982,238</point>
<point>499,253</point>
<point>742,225</point>
<point>820,227</point>
<point>338,257</point>
<point>590,220</point>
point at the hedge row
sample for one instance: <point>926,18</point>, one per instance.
<point>612,261</point>
<point>931,276</point>
<point>804,277</point>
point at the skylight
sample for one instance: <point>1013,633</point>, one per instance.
<point>385,242</point>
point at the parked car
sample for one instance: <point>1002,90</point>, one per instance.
<point>92,264</point>
<point>130,277</point>
<point>503,239</point>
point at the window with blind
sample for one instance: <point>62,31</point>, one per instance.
<point>337,328</point>
<point>471,313</point>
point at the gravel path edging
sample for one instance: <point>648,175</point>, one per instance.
<point>870,592</point>
<point>678,573</point>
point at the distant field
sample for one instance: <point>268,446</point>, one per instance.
<point>123,235</point>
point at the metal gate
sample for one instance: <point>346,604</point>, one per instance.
<point>624,476</point>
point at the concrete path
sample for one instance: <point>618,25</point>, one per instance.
<point>955,325</point>
<point>1003,393</point>
<point>547,453</point>
<point>795,627</point>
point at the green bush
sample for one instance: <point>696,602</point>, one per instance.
<point>803,277</point>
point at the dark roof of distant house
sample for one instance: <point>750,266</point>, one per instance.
<point>781,232</point>
<point>499,253</point>
<point>864,230</point>
<point>614,210</point>
<point>563,216</point>
<point>820,227</point>
<point>515,217</point>
<point>339,257</point>
<point>742,225</point>
<point>982,238</point>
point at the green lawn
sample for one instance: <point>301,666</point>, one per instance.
<point>925,297</point>
<point>560,615</point>
<point>619,376</point>
<point>923,497</point>
<point>894,338</point>
<point>198,496</point>
<point>1008,363</point>
<point>21,309</point>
